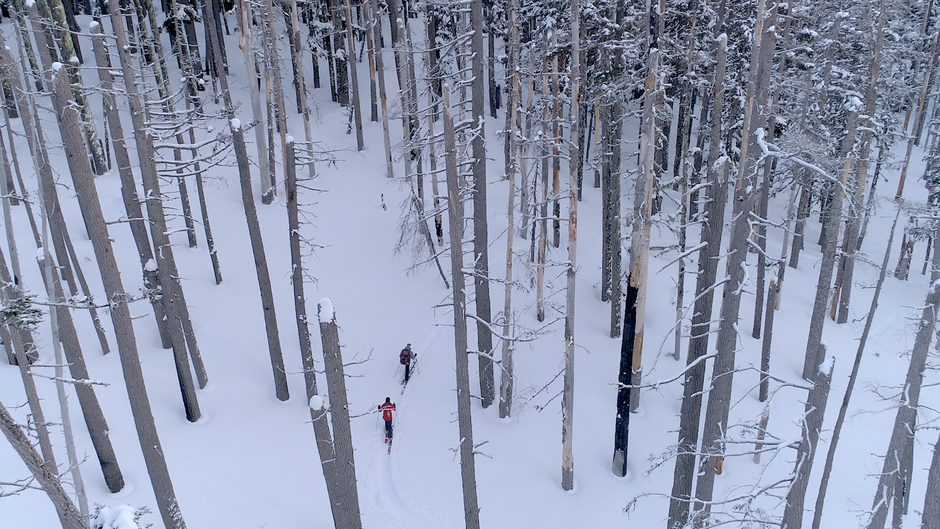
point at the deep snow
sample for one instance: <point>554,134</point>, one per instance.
<point>251,461</point>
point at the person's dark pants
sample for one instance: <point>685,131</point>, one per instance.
<point>388,429</point>
<point>407,371</point>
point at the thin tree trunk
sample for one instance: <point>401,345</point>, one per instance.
<point>128,185</point>
<point>172,291</point>
<point>354,79</point>
<point>567,402</point>
<point>246,42</point>
<point>895,473</point>
<point>380,74</point>
<point>464,422</point>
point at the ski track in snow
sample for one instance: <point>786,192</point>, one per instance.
<point>385,488</point>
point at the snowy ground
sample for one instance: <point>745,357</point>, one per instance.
<point>251,461</point>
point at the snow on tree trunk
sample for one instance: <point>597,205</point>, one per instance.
<point>506,363</point>
<point>691,407</point>
<point>853,377</point>
<point>829,248</point>
<point>128,185</point>
<point>930,519</point>
<point>896,472</point>
<point>806,451</point>
<point>83,181</point>
<point>464,422</point>
<point>48,478</point>
<point>348,494</point>
<point>172,291</point>
<point>719,397</point>
<point>853,224</point>
<point>254,227</point>
<point>481,279</point>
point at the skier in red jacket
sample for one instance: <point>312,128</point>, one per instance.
<point>387,408</point>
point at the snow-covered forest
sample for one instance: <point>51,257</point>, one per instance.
<point>666,264</point>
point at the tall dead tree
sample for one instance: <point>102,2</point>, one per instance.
<point>83,180</point>
<point>464,421</point>
<point>254,227</point>
<point>172,290</point>
<point>897,469</point>
<point>691,407</point>
<point>246,41</point>
<point>339,418</point>
<point>567,403</point>
<point>853,377</point>
<point>481,267</point>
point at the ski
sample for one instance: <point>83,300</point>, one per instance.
<point>389,446</point>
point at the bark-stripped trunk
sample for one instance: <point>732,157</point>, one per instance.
<point>642,223</point>
<point>246,42</point>
<point>380,75</point>
<point>464,422</point>
<point>506,362</point>
<point>567,402</point>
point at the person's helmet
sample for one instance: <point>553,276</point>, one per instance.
<point>408,346</point>
<point>388,399</point>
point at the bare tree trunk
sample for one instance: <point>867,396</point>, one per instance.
<point>843,410</point>
<point>895,474</point>
<point>506,363</point>
<point>135,214</point>
<point>719,397</point>
<point>464,422</point>
<point>567,402</point>
<point>246,42</point>
<point>481,266</point>
<point>765,343</point>
<point>172,292</point>
<point>930,519</point>
<point>48,478</point>
<point>301,87</point>
<point>824,284</point>
<point>928,69</point>
<point>83,180</point>
<point>380,74</point>
<point>254,227</point>
<point>273,72</point>
<point>691,407</point>
<point>853,224</point>
<point>806,452</point>
<point>339,417</point>
<point>318,413</point>
<point>642,223</point>
<point>354,79</point>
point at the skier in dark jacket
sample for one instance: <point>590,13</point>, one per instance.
<point>387,408</point>
<point>405,357</point>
